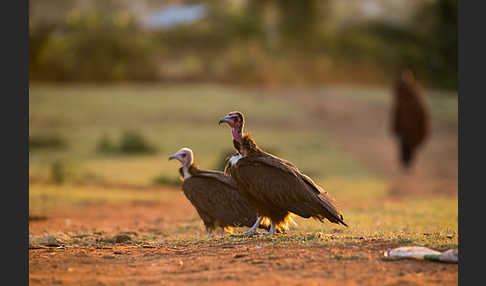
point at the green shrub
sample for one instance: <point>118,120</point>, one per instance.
<point>131,142</point>
<point>46,142</point>
<point>105,145</point>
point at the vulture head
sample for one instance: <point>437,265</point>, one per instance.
<point>184,156</point>
<point>236,121</point>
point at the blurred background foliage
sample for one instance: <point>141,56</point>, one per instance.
<point>266,43</point>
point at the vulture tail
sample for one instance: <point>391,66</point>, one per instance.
<point>332,214</point>
<point>341,220</point>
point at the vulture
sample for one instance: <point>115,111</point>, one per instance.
<point>215,196</point>
<point>275,187</point>
<point>409,117</point>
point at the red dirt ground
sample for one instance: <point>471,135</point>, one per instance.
<point>212,262</point>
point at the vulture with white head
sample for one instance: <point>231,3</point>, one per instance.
<point>215,196</point>
<point>275,187</point>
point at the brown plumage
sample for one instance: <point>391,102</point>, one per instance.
<point>273,186</point>
<point>410,119</point>
<point>215,196</point>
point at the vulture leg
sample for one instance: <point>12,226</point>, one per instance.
<point>253,228</point>
<point>271,231</point>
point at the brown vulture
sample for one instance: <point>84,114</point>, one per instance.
<point>409,117</point>
<point>275,187</point>
<point>214,195</point>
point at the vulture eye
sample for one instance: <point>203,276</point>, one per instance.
<point>183,155</point>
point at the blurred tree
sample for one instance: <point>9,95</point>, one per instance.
<point>38,37</point>
<point>427,44</point>
<point>254,41</point>
<point>49,12</point>
<point>436,24</point>
<point>299,21</point>
<point>93,45</point>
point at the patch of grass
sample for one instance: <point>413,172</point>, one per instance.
<point>171,117</point>
<point>46,141</point>
<point>405,241</point>
<point>407,222</point>
<point>105,145</point>
<point>133,142</point>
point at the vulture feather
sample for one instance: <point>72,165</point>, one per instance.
<point>215,196</point>
<point>409,117</point>
<point>275,187</point>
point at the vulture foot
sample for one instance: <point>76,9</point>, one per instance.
<point>252,230</point>
<point>271,231</point>
<point>249,233</point>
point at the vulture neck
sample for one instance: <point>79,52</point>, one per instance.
<point>237,138</point>
<point>248,146</point>
<point>236,144</point>
<point>236,132</point>
<point>188,171</point>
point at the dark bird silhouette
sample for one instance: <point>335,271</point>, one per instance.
<point>275,187</point>
<point>215,196</point>
<point>410,119</point>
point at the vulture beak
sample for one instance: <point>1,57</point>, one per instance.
<point>172,157</point>
<point>226,119</point>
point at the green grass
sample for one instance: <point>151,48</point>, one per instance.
<point>171,117</point>
<point>406,223</point>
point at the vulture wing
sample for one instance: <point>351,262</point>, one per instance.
<point>275,181</point>
<point>216,198</point>
<point>219,176</point>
